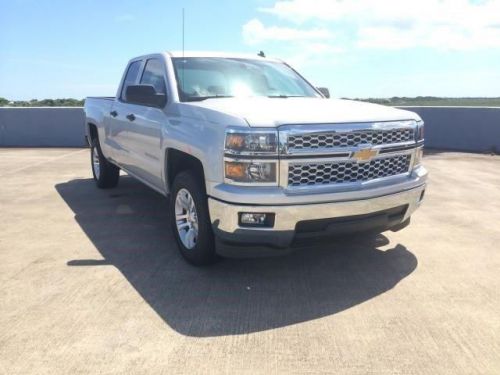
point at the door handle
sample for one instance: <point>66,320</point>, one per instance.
<point>113,113</point>
<point>130,117</point>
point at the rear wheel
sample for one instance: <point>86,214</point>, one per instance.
<point>190,220</point>
<point>105,174</point>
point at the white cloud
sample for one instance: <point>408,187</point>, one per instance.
<point>303,46</point>
<point>255,32</point>
<point>312,55</point>
<point>396,24</point>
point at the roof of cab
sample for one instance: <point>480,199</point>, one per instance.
<point>218,54</point>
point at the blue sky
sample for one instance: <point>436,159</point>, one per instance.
<point>358,48</point>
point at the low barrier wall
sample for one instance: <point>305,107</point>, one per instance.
<point>475,129</point>
<point>42,127</point>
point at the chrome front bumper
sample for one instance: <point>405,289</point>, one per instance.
<point>321,188</point>
<point>224,216</point>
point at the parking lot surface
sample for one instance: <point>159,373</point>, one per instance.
<point>91,282</point>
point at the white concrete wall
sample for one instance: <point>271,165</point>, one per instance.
<point>475,129</point>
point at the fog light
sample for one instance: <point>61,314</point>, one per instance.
<point>252,219</point>
<point>248,218</point>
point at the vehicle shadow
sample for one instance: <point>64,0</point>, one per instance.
<point>130,228</point>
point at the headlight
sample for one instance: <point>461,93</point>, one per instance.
<point>251,171</point>
<point>420,131</point>
<point>242,147</point>
<point>251,142</point>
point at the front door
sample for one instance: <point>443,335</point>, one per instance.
<point>117,127</point>
<point>140,129</point>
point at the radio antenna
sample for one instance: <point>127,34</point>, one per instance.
<point>183,61</point>
<point>183,33</point>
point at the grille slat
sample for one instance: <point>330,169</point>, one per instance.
<point>349,139</point>
<point>312,174</point>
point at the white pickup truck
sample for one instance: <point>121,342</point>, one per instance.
<point>253,158</point>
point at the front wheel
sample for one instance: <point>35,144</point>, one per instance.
<point>190,220</point>
<point>105,174</point>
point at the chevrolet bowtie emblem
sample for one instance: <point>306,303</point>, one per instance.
<point>365,154</point>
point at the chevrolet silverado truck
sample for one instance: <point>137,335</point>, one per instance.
<point>253,158</point>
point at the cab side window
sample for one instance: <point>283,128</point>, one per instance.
<point>153,75</point>
<point>130,78</point>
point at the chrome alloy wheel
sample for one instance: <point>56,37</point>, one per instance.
<point>95,162</point>
<point>186,218</point>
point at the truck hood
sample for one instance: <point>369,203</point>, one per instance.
<point>273,112</point>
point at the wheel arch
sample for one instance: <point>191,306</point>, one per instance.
<point>177,161</point>
<point>91,132</point>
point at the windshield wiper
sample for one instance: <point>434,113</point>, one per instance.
<point>200,98</point>
<point>286,96</point>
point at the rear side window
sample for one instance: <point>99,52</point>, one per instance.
<point>131,77</point>
<point>153,75</point>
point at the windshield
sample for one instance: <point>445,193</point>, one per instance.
<point>200,78</point>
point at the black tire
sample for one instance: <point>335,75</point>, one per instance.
<point>203,252</point>
<point>108,174</point>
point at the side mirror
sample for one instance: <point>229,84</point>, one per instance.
<point>145,95</point>
<point>324,91</point>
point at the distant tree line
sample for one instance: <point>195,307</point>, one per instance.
<point>434,101</point>
<point>398,100</point>
<point>66,102</point>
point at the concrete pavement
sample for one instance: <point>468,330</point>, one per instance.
<point>91,282</point>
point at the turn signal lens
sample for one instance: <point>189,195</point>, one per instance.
<point>250,171</point>
<point>235,141</point>
<point>419,154</point>
<point>420,131</point>
<point>235,170</point>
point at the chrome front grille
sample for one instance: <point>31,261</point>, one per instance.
<point>349,139</point>
<point>347,171</point>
